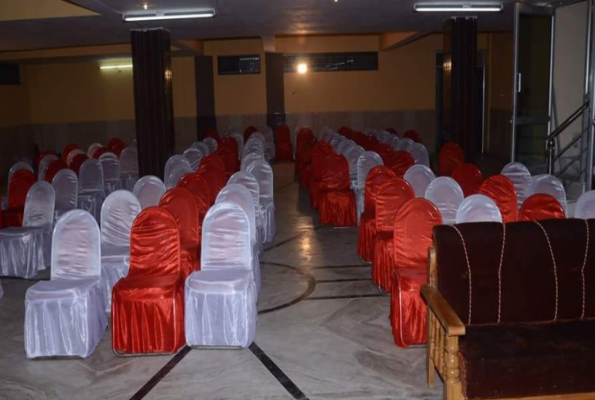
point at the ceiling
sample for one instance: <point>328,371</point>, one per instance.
<point>69,23</point>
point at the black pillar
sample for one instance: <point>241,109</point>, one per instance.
<point>153,100</point>
<point>275,89</point>
<point>205,95</point>
<point>460,84</point>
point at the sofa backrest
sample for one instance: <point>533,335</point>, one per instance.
<point>527,288</point>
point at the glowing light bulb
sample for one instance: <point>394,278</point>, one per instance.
<point>302,68</point>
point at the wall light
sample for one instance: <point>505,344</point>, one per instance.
<point>168,15</point>
<point>119,66</point>
<point>458,7</point>
<point>302,68</point>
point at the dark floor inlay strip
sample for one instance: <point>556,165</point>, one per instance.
<point>162,373</point>
<point>342,280</point>
<point>343,266</point>
<point>278,373</point>
<point>353,296</point>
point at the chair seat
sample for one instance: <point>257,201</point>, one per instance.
<point>218,281</point>
<point>61,289</point>
<point>148,287</point>
<point>20,231</point>
<point>518,360</point>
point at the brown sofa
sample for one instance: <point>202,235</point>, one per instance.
<point>519,328</point>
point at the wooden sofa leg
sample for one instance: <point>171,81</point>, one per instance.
<point>452,384</point>
<point>430,350</point>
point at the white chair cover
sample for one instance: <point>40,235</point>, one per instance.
<point>92,149</point>
<point>248,159</point>
<point>238,194</point>
<point>420,154</point>
<point>91,187</point>
<point>71,155</point>
<point>406,144</point>
<point>248,180</point>
<point>269,142</point>
<point>395,142</point>
<point>551,185</point>
<point>65,317</point>
<point>447,195</point>
<point>336,141</point>
<point>148,190</point>
<point>194,156</point>
<point>111,172</point>
<point>117,215</point>
<point>254,145</point>
<point>27,249</point>
<point>175,168</point>
<point>419,176</point>
<point>521,179</point>
<point>129,167</point>
<point>478,208</point>
<point>240,140</point>
<point>211,144</point>
<point>66,186</point>
<point>585,206</point>
<point>263,173</point>
<point>220,300</point>
<point>352,154</point>
<point>19,165</point>
<point>43,165</point>
<point>204,149</point>
<point>366,161</point>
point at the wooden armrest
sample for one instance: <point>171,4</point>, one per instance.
<point>443,312</point>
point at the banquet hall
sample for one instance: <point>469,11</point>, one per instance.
<point>297,199</point>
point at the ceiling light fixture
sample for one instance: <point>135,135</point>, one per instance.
<point>120,66</point>
<point>302,68</point>
<point>166,16</point>
<point>458,7</point>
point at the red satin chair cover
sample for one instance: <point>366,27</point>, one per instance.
<point>20,183</point>
<point>228,151</point>
<point>384,151</point>
<point>400,162</point>
<point>198,186</point>
<point>42,155</point>
<point>391,196</point>
<point>116,145</point>
<point>211,161</point>
<point>67,149</point>
<point>212,133</point>
<point>469,177</point>
<point>541,206</point>
<point>216,179</point>
<point>319,153</point>
<point>283,148</point>
<point>413,135</point>
<point>182,205</point>
<point>77,161</point>
<point>501,189</point>
<point>337,200</point>
<point>304,146</point>
<point>148,304</point>
<point>53,169</point>
<point>412,239</point>
<point>367,223</point>
<point>450,156</point>
<point>99,152</point>
<point>345,131</point>
<point>249,131</point>
<point>393,131</point>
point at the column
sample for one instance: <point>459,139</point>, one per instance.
<point>275,81</point>
<point>205,95</point>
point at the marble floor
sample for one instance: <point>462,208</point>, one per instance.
<point>323,333</point>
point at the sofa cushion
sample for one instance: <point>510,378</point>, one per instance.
<point>528,288</point>
<point>507,361</point>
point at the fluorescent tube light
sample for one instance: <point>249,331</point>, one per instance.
<point>167,16</point>
<point>121,66</point>
<point>462,7</point>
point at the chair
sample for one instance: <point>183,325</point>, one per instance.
<point>420,154</point>
<point>67,150</point>
<point>412,238</point>
<point>548,184</point>
<point>221,298</point>
<point>19,165</point>
<point>20,183</point>
<point>248,158</point>
<point>541,206</point>
<point>65,316</point>
<point>367,224</point>
<point>204,149</point>
<point>181,204</point>
<point>199,188</point>
<point>263,173</point>
<point>116,146</point>
<point>175,168</point>
<point>337,200</point>
<point>447,195</point>
<point>129,167</point>
<point>193,155</point>
<point>248,132</point>
<point>449,157</point>
<point>469,177</point>
<point>26,250</point>
<point>365,162</point>
<point>216,179</point>
<point>521,179</point>
<point>212,133</point>
<point>240,142</point>
<point>254,145</point>
<point>147,305</point>
<point>228,151</point>
<point>501,189</point>
<point>213,161</point>
<point>419,176</point>
<point>77,162</point>
<point>413,135</point>
<point>43,165</point>
<point>93,148</point>
<point>41,156</point>
<point>66,188</point>
<point>111,172</point>
<point>399,161</point>
<point>248,180</point>
<point>72,154</point>
<point>391,196</point>
<point>118,212</point>
<point>478,208</point>
<point>585,206</point>
<point>319,153</point>
<point>53,168</point>
<point>284,149</point>
<point>91,187</point>
<point>352,155</point>
<point>303,149</point>
<point>269,142</point>
<point>238,194</point>
<point>148,190</point>
<point>212,144</point>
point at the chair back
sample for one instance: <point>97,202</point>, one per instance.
<point>420,177</point>
<point>240,142</point>
<point>91,176</point>
<point>148,190</point>
<point>541,206</point>
<point>19,165</point>
<point>43,165</point>
<point>283,135</point>
<point>248,132</point>
<point>248,180</point>
<point>520,178</point>
<point>193,155</point>
<point>469,177</point>
<point>20,183</point>
<point>204,149</point>
<point>175,168</point>
<point>228,151</point>
<point>549,184</point>
<point>116,146</point>
<point>447,195</point>
<point>67,150</point>
<point>501,189</point>
<point>226,240</point>
<point>53,168</point>
<point>399,161</point>
<point>198,186</point>
<point>248,158</point>
<point>118,212</point>
<point>585,206</point>
<point>450,156</point>
<point>263,173</point>
<point>154,244</point>
<point>420,154</point>
<point>66,188</point>
<point>478,208</point>
<point>365,162</point>
<point>181,204</point>
<point>216,179</point>
<point>212,161</point>
<point>76,247</point>
<point>93,148</point>
<point>39,205</point>
<point>72,154</point>
<point>77,162</point>
<point>320,151</point>
<point>111,167</point>
<point>238,194</point>
<point>335,173</point>
<point>412,235</point>
<point>211,144</point>
<point>391,196</point>
<point>129,161</point>
<point>413,135</point>
<point>407,144</point>
<point>376,177</point>
<point>352,155</point>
